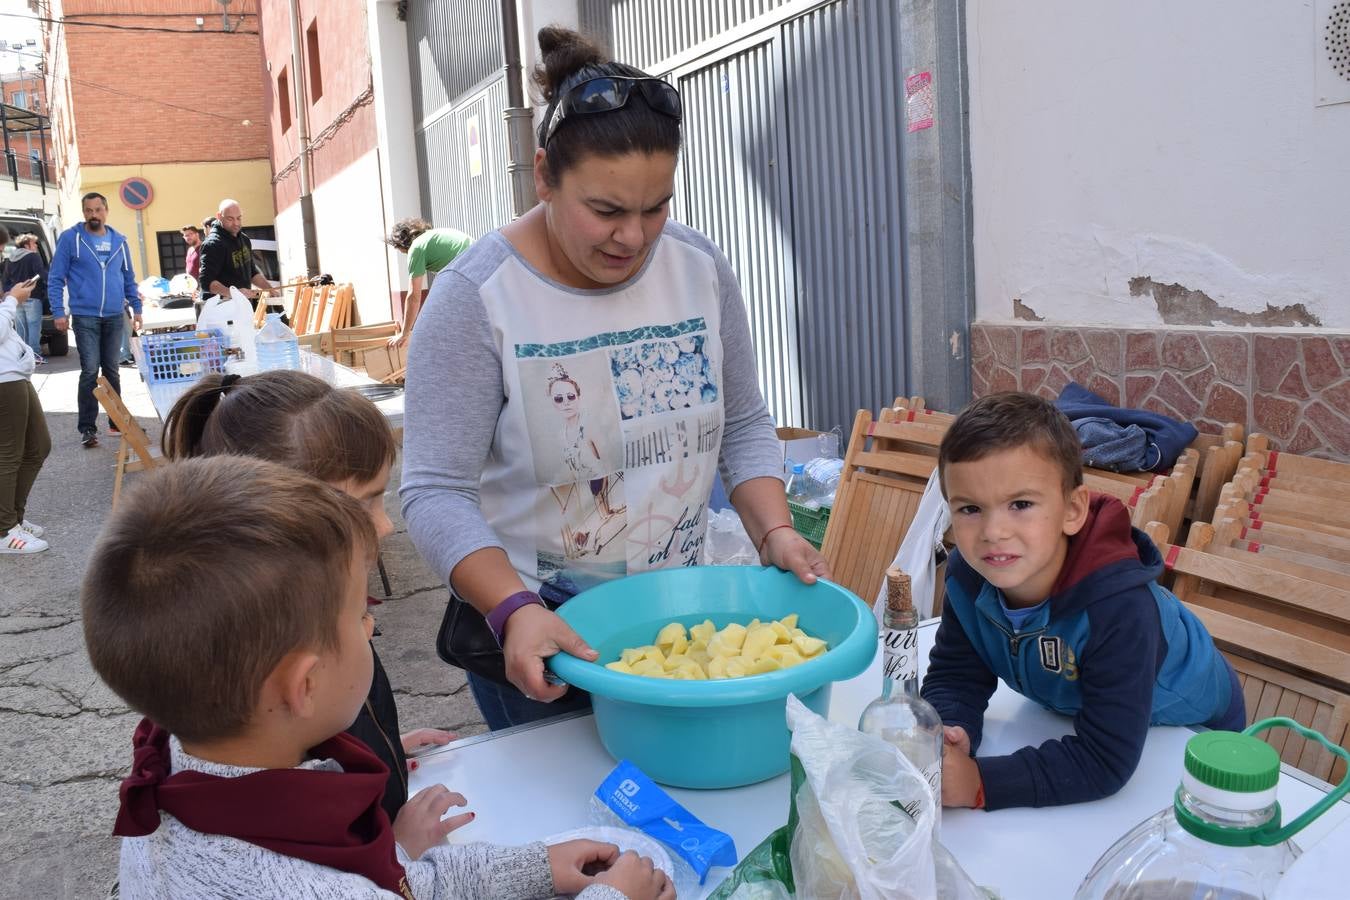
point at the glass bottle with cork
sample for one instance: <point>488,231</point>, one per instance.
<point>900,716</point>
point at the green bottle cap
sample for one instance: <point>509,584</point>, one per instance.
<point>1232,762</point>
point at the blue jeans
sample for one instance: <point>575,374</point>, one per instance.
<point>29,325</point>
<point>503,706</point>
<point>99,341</point>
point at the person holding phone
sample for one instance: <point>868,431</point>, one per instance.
<point>24,439</point>
<point>27,264</point>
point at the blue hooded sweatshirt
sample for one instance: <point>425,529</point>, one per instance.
<point>98,286</point>
<point>1110,648</point>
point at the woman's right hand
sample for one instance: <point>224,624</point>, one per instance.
<point>534,633</point>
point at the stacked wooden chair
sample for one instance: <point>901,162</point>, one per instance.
<point>1288,637</point>
<point>1293,512</point>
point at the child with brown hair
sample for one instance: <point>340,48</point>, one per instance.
<point>1054,592</point>
<point>340,438</point>
<point>225,601</point>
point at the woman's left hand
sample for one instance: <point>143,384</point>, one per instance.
<point>791,552</point>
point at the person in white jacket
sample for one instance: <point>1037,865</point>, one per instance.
<point>24,441</point>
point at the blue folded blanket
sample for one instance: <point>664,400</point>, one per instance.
<point>1122,439</point>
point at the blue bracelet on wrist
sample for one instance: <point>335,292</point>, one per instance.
<point>497,617</point>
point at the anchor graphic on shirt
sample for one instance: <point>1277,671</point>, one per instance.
<point>679,486</point>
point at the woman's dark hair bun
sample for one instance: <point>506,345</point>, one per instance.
<point>562,53</point>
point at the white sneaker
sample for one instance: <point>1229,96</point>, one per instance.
<point>20,541</point>
<point>34,530</point>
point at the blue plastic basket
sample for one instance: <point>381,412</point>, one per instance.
<point>184,355</point>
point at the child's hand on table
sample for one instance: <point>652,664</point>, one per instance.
<point>419,825</point>
<point>956,736</point>
<point>575,864</point>
<point>961,780</point>
<point>420,739</point>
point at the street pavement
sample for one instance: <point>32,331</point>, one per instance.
<point>66,738</point>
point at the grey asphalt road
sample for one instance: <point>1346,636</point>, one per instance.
<point>64,736</point>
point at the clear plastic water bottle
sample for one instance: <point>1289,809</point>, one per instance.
<point>798,489</point>
<point>276,345</point>
<point>823,474</point>
<point>1221,837</point>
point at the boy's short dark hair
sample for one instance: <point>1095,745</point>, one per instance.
<point>206,576</point>
<point>1009,420</point>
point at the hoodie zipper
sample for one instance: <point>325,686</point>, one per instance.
<point>1015,641</point>
<point>102,273</point>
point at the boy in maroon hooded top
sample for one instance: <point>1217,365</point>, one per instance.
<point>226,601</point>
<point>1052,591</point>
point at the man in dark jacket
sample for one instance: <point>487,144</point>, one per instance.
<point>227,257</point>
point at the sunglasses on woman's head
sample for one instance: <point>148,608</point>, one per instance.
<point>610,92</point>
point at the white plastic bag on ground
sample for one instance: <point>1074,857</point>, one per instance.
<point>915,557</point>
<point>847,837</point>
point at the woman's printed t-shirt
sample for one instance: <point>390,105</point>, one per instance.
<point>595,418</point>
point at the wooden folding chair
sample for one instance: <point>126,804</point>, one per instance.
<point>1250,590</point>
<point>1234,541</point>
<point>349,344</point>
<point>1269,691</point>
<point>304,298</point>
<point>1279,463</point>
<point>319,307</point>
<point>134,438</point>
<point>336,313</point>
<point>1276,534</point>
<point>878,494</point>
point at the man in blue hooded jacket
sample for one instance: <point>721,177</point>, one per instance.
<point>93,264</point>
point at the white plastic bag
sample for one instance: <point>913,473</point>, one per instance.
<point>916,554</point>
<point>728,544</point>
<point>851,840</point>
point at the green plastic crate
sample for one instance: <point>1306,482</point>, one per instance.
<point>810,523</point>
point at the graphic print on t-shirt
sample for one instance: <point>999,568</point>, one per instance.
<point>621,415</point>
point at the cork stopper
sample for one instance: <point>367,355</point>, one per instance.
<point>898,597</point>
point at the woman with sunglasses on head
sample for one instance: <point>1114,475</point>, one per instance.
<point>596,283</point>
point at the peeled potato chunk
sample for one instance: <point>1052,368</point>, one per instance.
<point>702,652</point>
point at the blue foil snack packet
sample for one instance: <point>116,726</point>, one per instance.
<point>640,803</point>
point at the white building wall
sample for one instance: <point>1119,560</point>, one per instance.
<point>349,226</point>
<point>1181,142</point>
<point>390,73</point>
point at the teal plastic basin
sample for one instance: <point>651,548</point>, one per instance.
<point>709,734</point>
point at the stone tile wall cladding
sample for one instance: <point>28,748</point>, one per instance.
<point>1293,387</point>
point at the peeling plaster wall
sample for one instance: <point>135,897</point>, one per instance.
<point>1164,143</point>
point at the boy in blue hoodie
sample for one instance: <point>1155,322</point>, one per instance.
<point>1053,591</point>
<point>93,263</point>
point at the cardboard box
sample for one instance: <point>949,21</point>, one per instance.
<point>803,444</point>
